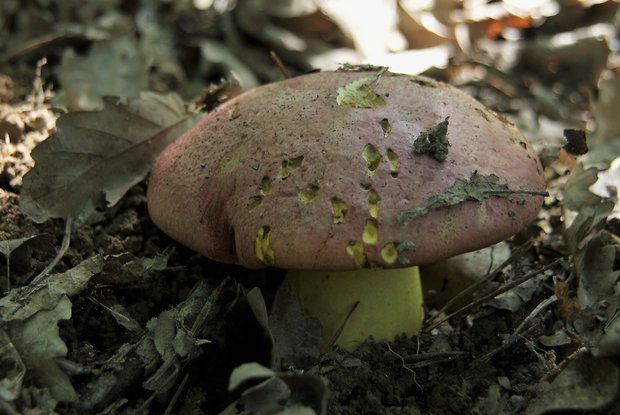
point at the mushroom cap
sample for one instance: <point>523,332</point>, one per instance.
<point>315,173</point>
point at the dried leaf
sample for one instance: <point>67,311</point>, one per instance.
<point>477,188</point>
<point>586,384</point>
<point>594,265</point>
<point>279,393</point>
<point>13,369</point>
<point>605,110</point>
<point>577,189</point>
<point>87,79</point>
<point>95,157</point>
<point>24,302</point>
<point>39,343</point>
<point>297,337</point>
<point>8,246</point>
<point>248,371</point>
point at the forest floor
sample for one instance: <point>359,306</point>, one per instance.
<point>103,313</point>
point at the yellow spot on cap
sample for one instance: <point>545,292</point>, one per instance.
<point>356,251</point>
<point>339,210</point>
<point>262,248</point>
<point>254,202</point>
<point>389,253</point>
<point>372,157</point>
<point>392,159</point>
<point>288,166</point>
<point>265,186</point>
<point>373,203</point>
<point>386,127</point>
<point>370,235</point>
<point>309,193</point>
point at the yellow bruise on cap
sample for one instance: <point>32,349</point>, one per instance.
<point>389,253</point>
<point>265,186</point>
<point>373,203</point>
<point>355,250</point>
<point>372,157</point>
<point>254,202</point>
<point>308,194</point>
<point>392,160</point>
<point>370,234</point>
<point>262,248</point>
<point>288,166</point>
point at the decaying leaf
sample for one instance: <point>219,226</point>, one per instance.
<point>434,141</point>
<point>359,93</point>
<point>477,188</point>
<point>39,343</point>
<point>95,157</point>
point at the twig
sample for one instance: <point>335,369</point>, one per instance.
<point>276,59</point>
<point>338,332</point>
<point>494,294</point>
<point>176,395</point>
<point>563,364</point>
<point>61,252</point>
<point>489,277</point>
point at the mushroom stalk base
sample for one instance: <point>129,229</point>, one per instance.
<point>354,305</point>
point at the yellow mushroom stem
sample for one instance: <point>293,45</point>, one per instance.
<point>354,305</point>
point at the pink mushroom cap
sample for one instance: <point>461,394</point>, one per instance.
<point>319,172</point>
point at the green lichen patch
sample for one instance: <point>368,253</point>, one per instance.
<point>374,200</point>
<point>404,246</point>
<point>386,127</point>
<point>372,157</point>
<point>254,202</point>
<point>434,141</point>
<point>355,250</point>
<point>370,234</point>
<point>265,187</point>
<point>477,188</point>
<point>308,194</point>
<point>339,210</point>
<point>262,247</point>
<point>230,165</point>
<point>359,93</point>
<point>288,166</point>
<point>392,160</point>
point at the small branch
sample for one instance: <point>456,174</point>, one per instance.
<point>494,294</point>
<point>64,246</point>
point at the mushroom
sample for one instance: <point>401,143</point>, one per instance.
<point>348,179</point>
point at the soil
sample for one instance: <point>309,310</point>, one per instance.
<point>122,358</point>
